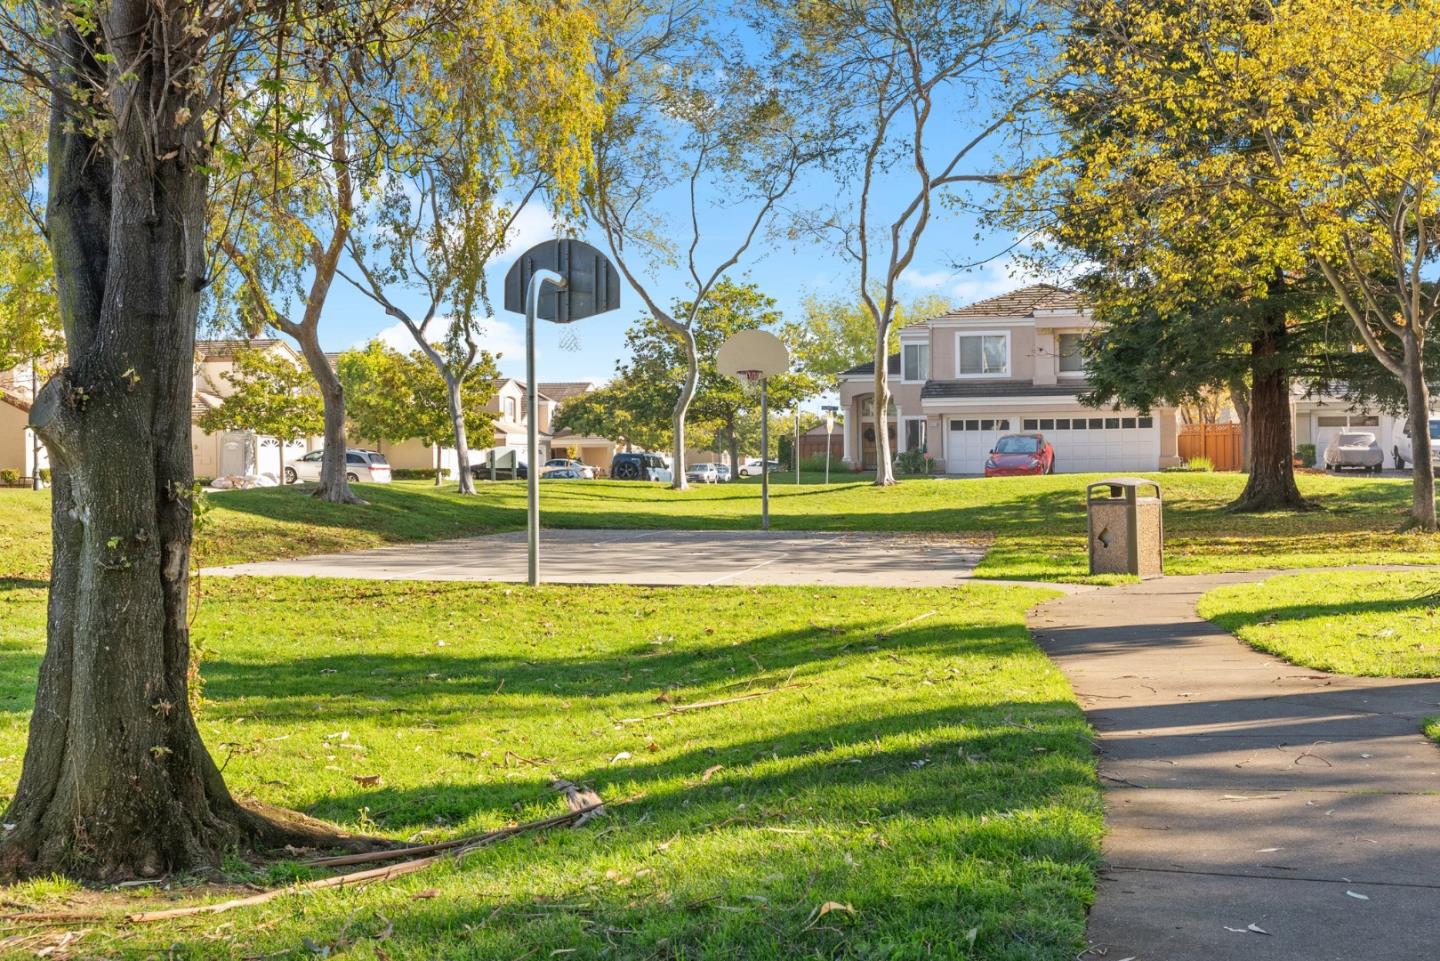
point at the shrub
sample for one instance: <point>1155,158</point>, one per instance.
<point>10,477</point>
<point>1306,453</point>
<point>1201,465</point>
<point>815,463</point>
<point>414,473</point>
<point>914,462</point>
<point>45,474</point>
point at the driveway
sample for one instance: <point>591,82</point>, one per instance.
<point>1255,810</point>
<point>656,557</point>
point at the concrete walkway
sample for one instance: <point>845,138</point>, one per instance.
<point>1244,791</point>
<point>656,557</point>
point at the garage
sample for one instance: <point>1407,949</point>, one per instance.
<point>1107,443</point>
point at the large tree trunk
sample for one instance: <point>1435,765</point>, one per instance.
<point>334,483</point>
<point>682,403</point>
<point>884,469</point>
<point>1240,400</point>
<point>116,781</point>
<point>457,424</point>
<point>1271,484</point>
<point>1417,396</point>
<point>732,447</point>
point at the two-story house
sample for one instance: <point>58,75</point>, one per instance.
<point>1004,365</point>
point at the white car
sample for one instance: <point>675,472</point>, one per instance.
<point>751,467</point>
<point>560,463</point>
<point>360,466</point>
<point>1403,449</point>
<point>1357,450</point>
<point>702,474</point>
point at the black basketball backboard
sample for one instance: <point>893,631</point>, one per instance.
<point>592,284</point>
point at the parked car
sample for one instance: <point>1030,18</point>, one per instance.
<point>482,472</point>
<point>722,473</point>
<point>702,474</point>
<point>751,467</point>
<point>1018,454</point>
<point>562,473</point>
<point>584,471</point>
<point>1354,449</point>
<point>637,466</point>
<point>366,466</point>
<point>1403,448</point>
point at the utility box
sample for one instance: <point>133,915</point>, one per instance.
<point>1126,527</point>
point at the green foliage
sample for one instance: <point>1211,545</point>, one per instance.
<point>29,313</point>
<point>1200,463</point>
<point>914,462</point>
<point>271,394</point>
<point>1307,454</point>
<point>836,334</point>
<point>390,396</point>
<point>10,476</point>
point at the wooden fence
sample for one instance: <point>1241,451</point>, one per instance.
<point>1221,443</point>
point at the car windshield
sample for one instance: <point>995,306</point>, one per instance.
<point>1015,444</point>
<point>1356,440</point>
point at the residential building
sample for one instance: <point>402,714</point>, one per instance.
<point>235,452</point>
<point>18,449</point>
<point>1004,365</point>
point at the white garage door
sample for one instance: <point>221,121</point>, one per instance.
<point>969,440</point>
<point>1108,443</point>
<point>1328,425</point>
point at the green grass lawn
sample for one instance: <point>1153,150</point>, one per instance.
<point>1037,523</point>
<point>1378,624</point>
<point>1432,728</point>
<point>928,769</point>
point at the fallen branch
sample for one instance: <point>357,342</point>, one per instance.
<point>701,705</point>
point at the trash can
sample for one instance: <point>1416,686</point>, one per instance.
<point>1126,529</point>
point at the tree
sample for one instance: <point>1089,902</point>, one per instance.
<point>475,128</point>
<point>1264,139</point>
<point>685,117</point>
<point>272,396</point>
<point>116,781</point>
<point>894,77</point>
<point>29,315</point>
<point>394,396</point>
<point>836,334</point>
<point>608,411</point>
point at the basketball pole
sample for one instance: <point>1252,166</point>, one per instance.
<point>764,458</point>
<point>532,430</point>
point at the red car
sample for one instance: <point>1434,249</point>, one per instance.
<point>1018,454</point>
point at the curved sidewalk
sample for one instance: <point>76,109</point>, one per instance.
<point>1245,793</point>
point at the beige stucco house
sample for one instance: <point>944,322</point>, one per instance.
<point>1007,364</point>
<point>239,452</point>
<point>18,450</point>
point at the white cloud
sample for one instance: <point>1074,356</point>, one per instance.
<point>496,336</point>
<point>533,224</point>
<point>989,279</point>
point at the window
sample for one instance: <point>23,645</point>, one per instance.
<point>1112,423</point>
<point>1072,360</point>
<point>1128,423</point>
<point>1062,424</point>
<point>915,362</point>
<point>1371,420</point>
<point>1031,424</point>
<point>1077,424</point>
<point>1047,423</point>
<point>914,433</point>
<point>354,458</point>
<point>1097,424</point>
<point>510,408</point>
<point>1018,445</point>
<point>867,407</point>
<point>1147,422</point>
<point>972,425</point>
<point>982,355</point>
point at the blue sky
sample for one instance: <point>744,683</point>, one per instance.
<point>788,270</point>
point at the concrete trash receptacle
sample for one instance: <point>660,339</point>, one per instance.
<point>1127,530</point>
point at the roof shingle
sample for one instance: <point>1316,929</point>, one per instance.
<point>1021,303</point>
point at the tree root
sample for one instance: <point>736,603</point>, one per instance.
<point>1265,503</point>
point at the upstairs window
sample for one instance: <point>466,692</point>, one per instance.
<point>982,355</point>
<point>915,362</point>
<point>1072,360</point>
<point>510,408</point>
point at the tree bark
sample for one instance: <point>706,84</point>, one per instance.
<point>1240,399</point>
<point>1417,396</point>
<point>116,782</point>
<point>457,423</point>
<point>732,446</point>
<point>334,485</point>
<point>884,469</point>
<point>1271,483</point>
<point>682,403</point>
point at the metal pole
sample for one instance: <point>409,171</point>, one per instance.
<point>764,458</point>
<point>828,434</point>
<point>532,429</point>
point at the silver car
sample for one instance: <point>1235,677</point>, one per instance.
<point>1354,450</point>
<point>361,466</point>
<point>702,474</point>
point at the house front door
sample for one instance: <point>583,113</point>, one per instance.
<point>868,456</point>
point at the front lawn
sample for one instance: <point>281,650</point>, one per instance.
<point>1037,523</point>
<point>1373,623</point>
<point>919,765</point>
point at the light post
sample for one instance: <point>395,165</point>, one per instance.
<point>795,453</point>
<point>581,282</point>
<point>830,411</point>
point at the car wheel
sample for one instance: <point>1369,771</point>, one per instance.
<point>290,475</point>
<point>1399,461</point>
<point>353,478</point>
<point>1052,466</point>
<point>627,472</point>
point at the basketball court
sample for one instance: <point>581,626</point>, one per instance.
<point>656,557</point>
